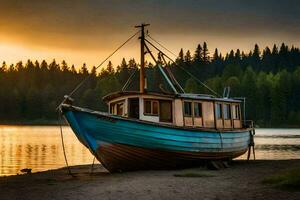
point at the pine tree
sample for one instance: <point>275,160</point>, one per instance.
<point>231,57</point>
<point>110,69</point>
<point>256,52</point>
<point>198,54</point>
<point>283,49</point>
<point>53,66</point>
<point>44,65</point>
<point>123,64</point>
<point>132,64</point>
<point>217,63</point>
<point>94,71</point>
<point>255,58</point>
<point>275,50</point>
<point>238,55</point>
<point>187,57</point>
<point>64,66</point>
<point>73,69</point>
<point>266,53</point>
<point>180,58</point>
<point>3,68</point>
<point>284,57</point>
<point>216,55</point>
<point>19,66</point>
<point>267,59</point>
<point>205,54</point>
<point>249,91</point>
<point>37,64</point>
<point>83,70</point>
<point>11,68</point>
<point>243,57</point>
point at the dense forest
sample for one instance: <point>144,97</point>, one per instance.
<point>268,78</point>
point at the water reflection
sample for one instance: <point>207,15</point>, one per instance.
<point>277,144</point>
<point>39,147</point>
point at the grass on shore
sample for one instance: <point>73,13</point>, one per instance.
<point>289,180</point>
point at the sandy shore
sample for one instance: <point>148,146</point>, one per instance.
<point>241,181</point>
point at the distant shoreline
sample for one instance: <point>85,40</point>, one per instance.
<point>33,123</point>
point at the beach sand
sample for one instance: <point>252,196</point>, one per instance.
<point>242,180</point>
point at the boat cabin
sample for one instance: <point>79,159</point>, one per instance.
<point>176,108</point>
<point>187,110</point>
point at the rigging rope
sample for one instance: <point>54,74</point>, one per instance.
<point>84,80</point>
<point>161,45</point>
<point>172,75</point>
<point>129,80</point>
<point>186,71</point>
<point>162,70</point>
<point>73,91</point>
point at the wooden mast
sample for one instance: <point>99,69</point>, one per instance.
<point>142,70</point>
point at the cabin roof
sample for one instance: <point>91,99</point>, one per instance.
<point>205,97</point>
<point>114,95</point>
<point>190,96</point>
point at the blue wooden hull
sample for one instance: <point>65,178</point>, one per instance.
<point>122,144</point>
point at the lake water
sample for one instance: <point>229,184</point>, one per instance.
<point>39,147</point>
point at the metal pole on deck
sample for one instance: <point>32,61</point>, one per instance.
<point>142,70</point>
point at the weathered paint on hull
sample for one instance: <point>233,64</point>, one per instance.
<point>124,145</point>
<point>119,157</point>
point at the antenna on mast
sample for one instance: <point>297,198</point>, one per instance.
<point>142,70</point>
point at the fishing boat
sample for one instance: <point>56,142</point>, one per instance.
<point>160,130</point>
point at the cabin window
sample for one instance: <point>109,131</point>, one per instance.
<point>227,111</point>
<point>236,111</point>
<point>147,107</point>
<point>188,109</point>
<point>218,107</point>
<point>155,107</point>
<point>150,107</point>
<point>117,108</point>
<point>197,109</point>
<point>120,108</point>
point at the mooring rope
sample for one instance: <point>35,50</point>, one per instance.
<point>73,91</point>
<point>63,144</point>
<point>92,167</point>
<point>251,142</point>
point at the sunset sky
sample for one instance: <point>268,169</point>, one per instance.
<point>87,31</point>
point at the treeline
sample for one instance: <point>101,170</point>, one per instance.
<point>268,78</point>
